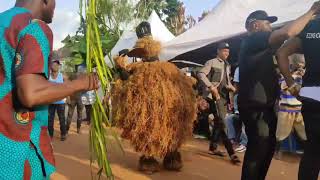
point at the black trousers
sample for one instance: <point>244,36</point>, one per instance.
<point>71,108</point>
<point>310,162</point>
<point>88,112</point>
<point>60,109</point>
<point>219,109</point>
<point>261,131</point>
<point>201,126</point>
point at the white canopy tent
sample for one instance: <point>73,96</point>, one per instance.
<point>129,37</point>
<point>228,19</point>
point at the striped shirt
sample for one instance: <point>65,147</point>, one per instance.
<point>289,103</point>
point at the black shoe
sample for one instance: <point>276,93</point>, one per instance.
<point>215,151</point>
<point>63,137</point>
<point>278,155</point>
<point>235,159</point>
<point>218,153</point>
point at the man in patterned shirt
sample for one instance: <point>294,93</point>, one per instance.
<point>25,50</point>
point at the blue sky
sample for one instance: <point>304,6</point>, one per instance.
<point>66,18</point>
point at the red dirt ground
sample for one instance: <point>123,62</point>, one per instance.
<point>72,159</point>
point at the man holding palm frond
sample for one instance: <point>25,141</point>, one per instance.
<point>25,92</point>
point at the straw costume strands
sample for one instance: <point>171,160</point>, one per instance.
<point>155,107</point>
<point>151,48</point>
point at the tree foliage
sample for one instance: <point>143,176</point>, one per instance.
<point>190,22</point>
<point>203,15</point>
<point>171,12</point>
<point>114,16</point>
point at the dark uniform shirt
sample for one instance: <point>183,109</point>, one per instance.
<point>310,38</point>
<point>258,77</point>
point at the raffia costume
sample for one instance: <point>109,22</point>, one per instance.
<point>155,106</point>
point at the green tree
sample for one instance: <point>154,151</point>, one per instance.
<point>203,15</point>
<point>190,22</point>
<point>176,20</point>
<point>113,16</point>
<point>171,12</point>
<point>145,7</point>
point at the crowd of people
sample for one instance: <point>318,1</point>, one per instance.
<point>80,100</point>
<point>267,105</point>
<point>271,93</point>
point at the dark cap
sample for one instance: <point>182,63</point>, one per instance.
<point>143,29</point>
<point>223,45</point>
<point>260,15</point>
<point>56,61</point>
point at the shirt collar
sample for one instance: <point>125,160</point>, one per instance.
<point>222,60</point>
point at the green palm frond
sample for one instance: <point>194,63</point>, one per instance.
<point>95,63</point>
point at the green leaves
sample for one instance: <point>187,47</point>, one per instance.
<point>95,62</point>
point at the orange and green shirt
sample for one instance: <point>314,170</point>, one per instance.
<point>25,48</point>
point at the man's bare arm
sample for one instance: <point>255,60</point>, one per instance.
<point>294,28</point>
<point>34,89</point>
<point>292,46</point>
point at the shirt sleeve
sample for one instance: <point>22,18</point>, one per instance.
<point>202,75</point>
<point>34,50</point>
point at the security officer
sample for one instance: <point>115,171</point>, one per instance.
<point>215,76</point>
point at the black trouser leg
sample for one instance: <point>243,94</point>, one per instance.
<point>278,146</point>
<point>227,143</point>
<point>215,136</point>
<point>204,126</point>
<point>238,128</point>
<point>218,124</point>
<point>79,113</point>
<point>219,133</point>
<point>88,113</point>
<point>52,112</point>
<point>219,109</point>
<point>310,162</point>
<point>71,107</point>
<point>62,118</point>
<point>261,129</point>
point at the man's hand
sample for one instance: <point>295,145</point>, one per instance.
<point>294,89</point>
<point>211,119</point>
<point>231,88</point>
<point>215,93</point>
<point>87,82</point>
<point>315,9</point>
<point>35,89</point>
